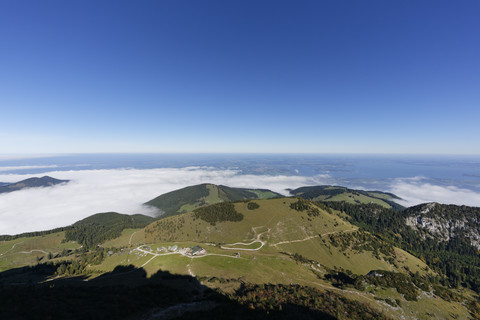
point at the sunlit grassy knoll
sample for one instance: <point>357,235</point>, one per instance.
<point>254,266</point>
<point>275,223</point>
<point>275,215</point>
<point>357,263</point>
<point>282,229</point>
<point>250,266</point>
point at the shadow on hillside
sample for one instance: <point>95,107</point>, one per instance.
<point>124,293</point>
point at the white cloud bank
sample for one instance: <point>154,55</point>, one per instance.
<point>120,190</point>
<point>125,190</point>
<point>418,190</point>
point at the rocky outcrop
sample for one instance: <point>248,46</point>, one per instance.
<point>444,222</point>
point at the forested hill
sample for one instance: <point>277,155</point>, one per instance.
<point>337,193</point>
<point>99,227</point>
<point>45,181</point>
<point>193,197</point>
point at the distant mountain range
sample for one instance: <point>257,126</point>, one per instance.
<point>45,181</point>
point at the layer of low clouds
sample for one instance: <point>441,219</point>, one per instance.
<point>418,190</point>
<point>125,190</point>
<point>120,190</point>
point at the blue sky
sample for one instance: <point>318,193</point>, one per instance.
<point>240,76</point>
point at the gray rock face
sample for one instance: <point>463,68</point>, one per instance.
<point>444,222</point>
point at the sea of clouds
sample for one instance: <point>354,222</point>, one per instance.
<point>120,190</point>
<point>125,191</point>
<point>418,190</point>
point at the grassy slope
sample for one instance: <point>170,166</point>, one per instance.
<point>277,223</point>
<point>26,250</point>
<point>18,252</point>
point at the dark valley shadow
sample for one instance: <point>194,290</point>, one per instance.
<point>125,293</point>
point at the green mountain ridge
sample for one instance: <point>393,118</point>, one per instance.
<point>192,197</point>
<point>338,193</point>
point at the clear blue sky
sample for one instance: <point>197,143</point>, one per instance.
<point>240,76</point>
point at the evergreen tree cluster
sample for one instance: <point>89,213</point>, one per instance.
<point>219,212</point>
<point>252,205</point>
<point>79,265</point>
<point>305,205</point>
<point>96,229</point>
<point>363,241</point>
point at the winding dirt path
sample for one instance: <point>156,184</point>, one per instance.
<point>31,251</point>
<point>11,248</point>
<point>257,239</point>
<point>130,241</point>
<point>312,237</point>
